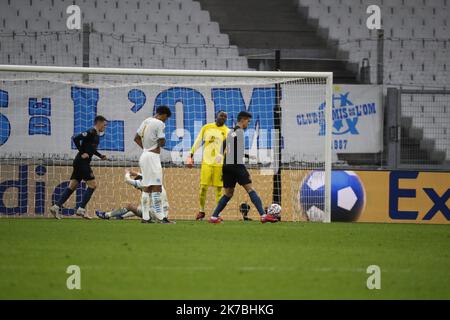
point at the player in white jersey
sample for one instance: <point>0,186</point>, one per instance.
<point>151,138</point>
<point>132,210</point>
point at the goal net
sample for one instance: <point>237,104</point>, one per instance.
<point>41,108</point>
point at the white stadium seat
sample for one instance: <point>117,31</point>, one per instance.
<point>164,51</point>
<point>188,27</point>
<point>198,39</point>
<point>239,63</point>
<point>207,52</point>
<point>209,28</point>
<point>173,63</point>
<point>216,64</point>
<point>229,52</point>
<point>145,27</point>
<point>167,28</point>
<point>185,52</point>
<point>199,16</point>
<point>176,38</point>
<point>178,16</point>
<point>158,17</point>
<point>219,39</point>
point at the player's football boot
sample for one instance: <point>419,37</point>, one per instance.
<point>81,212</point>
<point>216,220</point>
<point>200,216</point>
<point>166,221</point>
<point>54,210</point>
<point>147,221</point>
<point>101,215</point>
<point>268,218</point>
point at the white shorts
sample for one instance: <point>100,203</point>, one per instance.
<point>151,170</point>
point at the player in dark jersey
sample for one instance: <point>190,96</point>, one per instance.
<point>86,144</point>
<point>234,171</point>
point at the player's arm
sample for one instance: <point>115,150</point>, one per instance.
<point>98,154</point>
<point>139,134</point>
<point>240,139</point>
<point>138,140</point>
<point>134,182</point>
<point>161,135</point>
<point>197,143</point>
<point>101,156</point>
<point>78,140</point>
<point>161,142</point>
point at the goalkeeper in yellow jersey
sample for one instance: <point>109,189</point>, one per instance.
<point>212,135</point>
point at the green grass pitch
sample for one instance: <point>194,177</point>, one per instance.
<point>236,260</point>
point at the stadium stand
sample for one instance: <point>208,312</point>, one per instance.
<point>416,36</point>
<point>131,33</point>
<point>312,35</point>
<point>276,25</point>
<point>416,55</point>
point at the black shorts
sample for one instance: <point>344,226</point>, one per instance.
<point>233,174</point>
<point>82,171</point>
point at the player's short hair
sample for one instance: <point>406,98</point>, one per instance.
<point>98,119</point>
<point>164,110</point>
<point>243,114</point>
<point>219,112</point>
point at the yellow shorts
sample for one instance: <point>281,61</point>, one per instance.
<point>211,175</point>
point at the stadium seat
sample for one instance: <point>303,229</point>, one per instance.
<point>209,28</point>
<point>145,27</point>
<point>125,27</point>
<point>164,51</point>
<point>185,52</point>
<point>167,28</point>
<point>157,17</point>
<point>190,6</point>
<point>219,40</point>
<point>195,63</point>
<point>152,63</point>
<point>442,32</point>
<point>423,32</point>
<point>188,27</point>
<point>178,16</point>
<point>173,63</point>
<point>136,16</point>
<point>124,33</point>
<point>239,63</point>
<point>197,39</point>
<point>169,6</point>
<point>104,27</point>
<point>176,38</point>
<point>207,52</point>
<point>229,52</point>
<point>199,16</point>
<point>216,64</point>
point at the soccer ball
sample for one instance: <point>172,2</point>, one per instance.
<point>275,210</point>
<point>347,196</point>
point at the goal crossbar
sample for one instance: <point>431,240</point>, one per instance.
<point>166,72</point>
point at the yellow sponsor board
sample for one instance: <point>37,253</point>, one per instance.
<point>406,197</point>
<point>389,196</point>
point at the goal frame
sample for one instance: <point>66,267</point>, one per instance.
<point>214,73</point>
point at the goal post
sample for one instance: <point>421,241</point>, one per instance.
<point>42,107</point>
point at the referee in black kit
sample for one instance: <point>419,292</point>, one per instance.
<point>86,143</point>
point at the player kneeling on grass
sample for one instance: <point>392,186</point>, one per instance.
<point>133,210</point>
<point>86,144</point>
<point>234,171</point>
